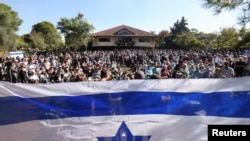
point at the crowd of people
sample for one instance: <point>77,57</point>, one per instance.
<point>125,64</point>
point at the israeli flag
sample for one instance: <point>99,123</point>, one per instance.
<point>14,54</point>
<point>129,110</point>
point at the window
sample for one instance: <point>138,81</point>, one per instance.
<point>144,39</point>
<point>124,32</point>
<point>104,40</point>
<point>124,39</point>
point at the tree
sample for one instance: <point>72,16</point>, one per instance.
<point>76,30</point>
<point>177,29</point>
<point>187,41</point>
<point>21,44</point>
<point>207,39</point>
<point>244,42</point>
<point>219,6</point>
<point>161,40</point>
<point>38,41</point>
<point>9,24</point>
<point>48,32</point>
<point>227,39</point>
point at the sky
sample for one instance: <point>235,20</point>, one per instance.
<point>147,15</point>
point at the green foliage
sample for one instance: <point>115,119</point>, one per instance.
<point>9,24</point>
<point>244,42</point>
<point>243,6</point>
<point>227,39</point>
<point>76,30</point>
<point>48,32</point>
<point>160,42</point>
<point>176,30</point>
<point>21,44</point>
<point>219,6</point>
<point>38,41</point>
<point>26,38</point>
<point>179,27</point>
<point>207,39</point>
<point>44,27</point>
<point>187,41</point>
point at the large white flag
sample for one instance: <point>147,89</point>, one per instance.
<point>131,110</point>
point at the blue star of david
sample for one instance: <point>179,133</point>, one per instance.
<point>124,134</point>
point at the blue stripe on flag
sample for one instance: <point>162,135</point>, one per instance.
<point>225,104</point>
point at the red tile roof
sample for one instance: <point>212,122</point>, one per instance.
<point>113,32</point>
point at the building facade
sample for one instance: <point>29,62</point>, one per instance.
<point>124,37</point>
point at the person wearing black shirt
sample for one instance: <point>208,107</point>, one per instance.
<point>178,70</point>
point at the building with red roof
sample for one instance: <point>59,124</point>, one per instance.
<point>124,36</point>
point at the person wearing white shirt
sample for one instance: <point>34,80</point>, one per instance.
<point>219,60</point>
<point>33,78</point>
<point>31,66</point>
<point>227,71</point>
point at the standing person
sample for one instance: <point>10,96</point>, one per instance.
<point>239,67</point>
<point>14,72</point>
<point>23,74</point>
<point>47,64</point>
<point>31,66</point>
<point>227,71</point>
<point>1,71</point>
<point>11,70</point>
<point>7,69</point>
<point>247,67</point>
